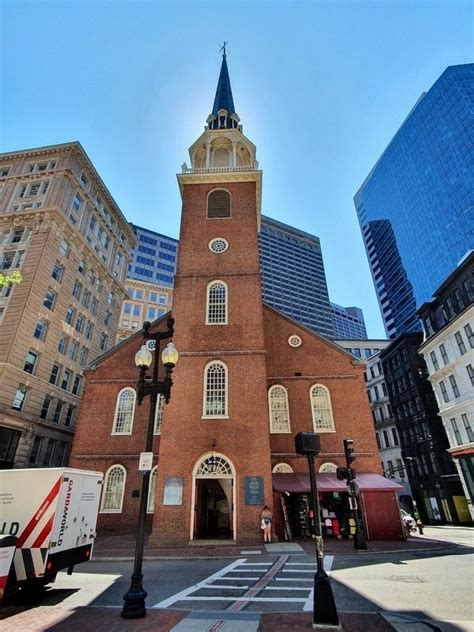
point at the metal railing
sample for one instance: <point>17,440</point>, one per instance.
<point>251,167</point>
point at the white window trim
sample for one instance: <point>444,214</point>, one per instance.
<point>114,432</point>
<point>106,478</point>
<point>315,429</point>
<point>204,391</point>
<point>333,467</point>
<point>208,291</point>
<point>272,431</point>
<point>288,469</point>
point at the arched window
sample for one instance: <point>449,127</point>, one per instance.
<point>278,409</point>
<point>114,487</point>
<point>321,409</point>
<point>159,414</point>
<point>124,411</point>
<point>218,204</point>
<point>327,467</point>
<point>216,308</point>
<point>150,508</point>
<point>282,468</point>
<point>215,390</point>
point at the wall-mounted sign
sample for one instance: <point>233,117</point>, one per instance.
<point>253,490</point>
<point>173,493</point>
<point>146,462</point>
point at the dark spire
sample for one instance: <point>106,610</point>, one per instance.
<point>223,100</point>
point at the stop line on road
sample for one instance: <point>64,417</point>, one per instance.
<point>253,582</point>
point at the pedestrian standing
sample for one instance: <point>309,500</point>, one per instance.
<point>266,523</point>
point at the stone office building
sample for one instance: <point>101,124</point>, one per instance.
<point>248,379</point>
<point>62,230</point>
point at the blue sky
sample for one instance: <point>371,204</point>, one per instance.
<point>321,87</point>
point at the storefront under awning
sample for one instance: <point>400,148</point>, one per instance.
<point>328,482</point>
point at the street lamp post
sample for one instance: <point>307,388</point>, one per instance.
<point>134,599</point>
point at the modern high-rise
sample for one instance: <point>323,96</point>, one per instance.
<point>62,230</point>
<point>416,207</point>
<point>154,258</point>
<point>348,322</point>
<point>293,278</point>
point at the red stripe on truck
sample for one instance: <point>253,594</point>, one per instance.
<point>44,534</point>
<point>39,514</point>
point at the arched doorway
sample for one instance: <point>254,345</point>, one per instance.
<point>213,502</point>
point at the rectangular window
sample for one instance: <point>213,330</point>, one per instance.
<point>19,399</point>
<point>80,322</point>
<point>76,290</point>
<point>89,330</point>
<point>40,330</point>
<point>395,437</point>
<point>84,180</point>
<point>454,385</point>
<point>53,378</point>
<point>30,362</point>
<point>103,341</point>
<point>83,356</point>
<point>76,387</point>
<point>94,306</point>
<point>467,427</point>
<point>457,434</point>
<point>434,360</point>
<point>444,355</point>
<point>86,297</point>
<point>444,392</point>
<point>49,299</point>
<point>69,315</point>
<point>66,379</point>
<point>69,415</point>
<point>57,272</point>
<point>470,372</point>
<point>62,344</point>
<point>73,350</point>
<point>57,411</point>
<point>470,335</point>
<point>64,248</point>
<point>76,202</point>
<point>386,439</point>
<point>400,469</point>
<point>35,450</point>
<point>45,408</point>
<point>460,341</point>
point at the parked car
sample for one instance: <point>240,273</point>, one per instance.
<point>408,520</point>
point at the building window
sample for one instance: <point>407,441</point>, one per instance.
<point>467,427</point>
<point>444,392</point>
<point>470,372</point>
<point>73,350</point>
<point>62,344</point>
<point>58,411</point>
<point>69,315</point>
<point>159,415</point>
<point>9,440</point>
<point>460,341</point>
<point>444,355</point>
<point>66,379</point>
<point>218,245</point>
<point>64,248</point>
<point>114,488</point>
<point>386,439</point>
<point>45,408</point>
<point>36,449</point>
<point>69,415</point>
<point>321,409</point>
<point>216,303</point>
<point>395,437</point>
<point>84,180</point>
<point>282,468</point>
<point>215,390</point>
<point>49,299</point>
<point>457,434</point>
<point>53,378</point>
<point>103,341</point>
<point>454,385</point>
<point>83,356</point>
<point>218,204</point>
<point>378,440</point>
<point>124,411</point>
<point>81,319</point>
<point>19,399</point>
<point>76,289</point>
<point>469,334</point>
<point>76,387</point>
<point>30,362</point>
<point>278,408</point>
<point>57,272</point>
<point>89,330</point>
<point>434,360</point>
<point>150,507</point>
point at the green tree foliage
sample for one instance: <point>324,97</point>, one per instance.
<point>10,279</point>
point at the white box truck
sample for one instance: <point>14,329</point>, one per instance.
<point>52,514</point>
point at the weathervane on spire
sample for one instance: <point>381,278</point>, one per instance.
<point>222,49</point>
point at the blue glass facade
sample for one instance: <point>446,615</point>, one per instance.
<point>293,277</point>
<point>348,322</point>
<point>416,207</point>
<point>154,259</point>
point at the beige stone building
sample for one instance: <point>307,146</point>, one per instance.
<point>144,301</point>
<point>62,230</point>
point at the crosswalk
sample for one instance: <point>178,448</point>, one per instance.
<point>286,580</point>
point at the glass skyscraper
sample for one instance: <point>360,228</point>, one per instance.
<point>293,277</point>
<point>348,322</point>
<point>416,207</point>
<point>154,259</point>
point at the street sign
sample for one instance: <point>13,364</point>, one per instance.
<point>146,462</point>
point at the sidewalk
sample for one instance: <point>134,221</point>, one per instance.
<point>123,547</point>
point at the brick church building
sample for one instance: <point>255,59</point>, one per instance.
<point>248,379</point>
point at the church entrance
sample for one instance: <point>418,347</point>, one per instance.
<point>213,499</point>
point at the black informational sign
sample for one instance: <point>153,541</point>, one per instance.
<point>253,487</point>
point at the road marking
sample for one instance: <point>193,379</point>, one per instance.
<point>293,579</point>
<point>256,564</point>
<point>225,587</point>
<point>246,599</point>
<point>233,579</point>
<point>287,588</point>
<point>266,579</point>
<point>187,591</point>
<point>295,570</point>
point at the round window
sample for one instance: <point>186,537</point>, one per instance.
<point>294,341</point>
<point>218,245</point>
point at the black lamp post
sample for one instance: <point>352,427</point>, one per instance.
<point>324,606</point>
<point>134,598</point>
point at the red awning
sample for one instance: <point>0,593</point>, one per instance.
<point>328,482</point>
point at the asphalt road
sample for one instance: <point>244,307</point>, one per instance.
<point>436,587</point>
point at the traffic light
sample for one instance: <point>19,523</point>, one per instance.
<point>342,473</point>
<point>349,451</point>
